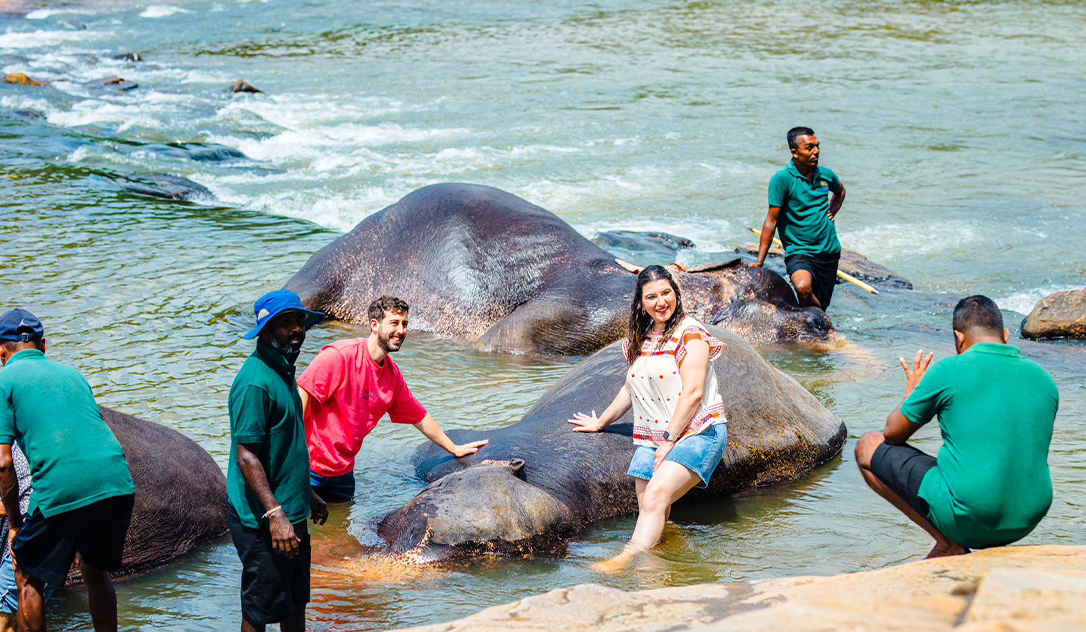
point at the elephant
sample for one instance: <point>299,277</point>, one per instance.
<point>510,277</point>
<point>180,497</point>
<point>537,482</point>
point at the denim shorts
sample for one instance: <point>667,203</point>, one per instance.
<point>700,454</point>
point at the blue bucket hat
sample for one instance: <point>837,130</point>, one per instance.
<point>19,325</point>
<point>274,303</point>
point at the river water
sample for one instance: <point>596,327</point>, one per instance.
<point>956,126</point>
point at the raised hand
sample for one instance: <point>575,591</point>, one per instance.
<point>916,373</point>
<point>585,423</point>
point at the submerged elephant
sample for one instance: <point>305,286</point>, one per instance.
<point>537,482</point>
<point>180,493</point>
<point>480,263</point>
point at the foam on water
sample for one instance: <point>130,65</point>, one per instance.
<point>162,11</point>
<point>42,39</point>
<point>42,14</point>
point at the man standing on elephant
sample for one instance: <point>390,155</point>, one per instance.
<point>83,492</point>
<point>349,386</point>
<point>267,478</point>
<point>802,210</point>
<point>990,485</point>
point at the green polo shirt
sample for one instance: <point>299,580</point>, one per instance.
<point>991,485</point>
<point>265,409</point>
<point>804,223</point>
<point>75,459</point>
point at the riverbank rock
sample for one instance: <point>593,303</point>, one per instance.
<point>1058,315</point>
<point>19,79</point>
<point>243,86</point>
<point>1009,589</point>
<point>852,263</point>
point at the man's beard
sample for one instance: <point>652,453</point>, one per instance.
<point>382,341</point>
<point>289,351</point>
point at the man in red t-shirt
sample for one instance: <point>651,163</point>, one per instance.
<point>346,390</point>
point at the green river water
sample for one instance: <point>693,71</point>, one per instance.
<point>959,129</point>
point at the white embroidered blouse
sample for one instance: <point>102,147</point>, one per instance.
<point>655,385</point>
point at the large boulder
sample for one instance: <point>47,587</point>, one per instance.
<point>538,482</point>
<point>1058,315</point>
<point>1011,589</point>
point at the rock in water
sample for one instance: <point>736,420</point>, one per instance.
<point>1058,315</point>
<point>113,83</point>
<point>652,247</point>
<point>852,263</point>
<point>180,493</point>
<point>162,186</point>
<point>538,482</point>
<point>243,86</point>
<point>19,79</point>
<point>133,56</point>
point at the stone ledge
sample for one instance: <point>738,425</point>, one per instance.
<point>1005,589</point>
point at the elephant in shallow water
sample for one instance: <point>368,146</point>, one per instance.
<point>537,483</point>
<point>180,493</point>
<point>483,264</point>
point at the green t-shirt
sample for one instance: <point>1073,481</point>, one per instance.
<point>265,409</point>
<point>75,459</point>
<point>804,223</point>
<point>991,485</point>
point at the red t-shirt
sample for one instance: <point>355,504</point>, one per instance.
<point>348,395</point>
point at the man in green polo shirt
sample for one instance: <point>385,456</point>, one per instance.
<point>990,485</point>
<point>83,493</point>
<point>267,479</point>
<point>803,201</point>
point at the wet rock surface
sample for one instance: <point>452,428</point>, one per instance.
<point>1008,589</point>
<point>243,86</point>
<point>1058,315</point>
<point>20,79</point>
<point>649,246</point>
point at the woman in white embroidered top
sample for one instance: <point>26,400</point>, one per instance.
<point>678,415</point>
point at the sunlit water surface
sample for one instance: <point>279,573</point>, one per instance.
<point>957,128</point>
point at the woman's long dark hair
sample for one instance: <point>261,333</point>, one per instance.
<point>640,321</point>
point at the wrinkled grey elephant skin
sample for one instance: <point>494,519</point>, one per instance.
<point>537,482</point>
<point>483,264</point>
<point>180,493</point>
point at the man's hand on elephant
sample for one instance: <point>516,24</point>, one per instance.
<point>318,509</point>
<point>585,423</point>
<point>465,449</point>
<point>756,264</point>
<point>284,540</point>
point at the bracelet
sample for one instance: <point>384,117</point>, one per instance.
<point>271,511</point>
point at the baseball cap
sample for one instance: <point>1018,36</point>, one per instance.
<point>19,325</point>
<point>274,303</point>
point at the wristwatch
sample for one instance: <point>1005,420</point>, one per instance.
<point>667,436</point>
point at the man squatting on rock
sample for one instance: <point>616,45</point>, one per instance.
<point>346,390</point>
<point>802,211</point>
<point>990,484</point>
<point>83,492</point>
<point>267,479</point>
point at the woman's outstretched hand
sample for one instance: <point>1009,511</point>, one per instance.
<point>585,423</point>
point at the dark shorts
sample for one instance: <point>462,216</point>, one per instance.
<point>45,547</point>
<point>902,469</point>
<point>823,274</point>
<point>333,489</point>
<point>272,585</point>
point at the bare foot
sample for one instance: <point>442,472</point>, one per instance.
<point>619,562</point>
<point>947,550</point>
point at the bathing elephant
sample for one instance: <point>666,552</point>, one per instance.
<point>537,483</point>
<point>180,494</point>
<point>511,277</point>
